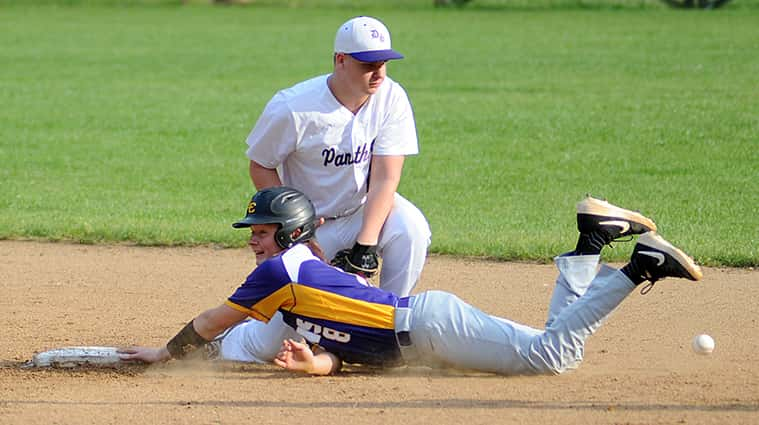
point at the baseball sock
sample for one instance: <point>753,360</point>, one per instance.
<point>590,243</point>
<point>634,271</point>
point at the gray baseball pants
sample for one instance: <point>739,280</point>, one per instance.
<point>444,331</point>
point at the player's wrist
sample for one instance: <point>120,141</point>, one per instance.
<point>368,241</point>
<point>324,363</point>
<point>359,249</point>
<point>185,342</point>
<point>163,354</point>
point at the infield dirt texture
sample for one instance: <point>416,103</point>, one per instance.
<point>638,369</point>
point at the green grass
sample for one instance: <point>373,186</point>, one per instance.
<point>360,5</point>
<point>128,123</point>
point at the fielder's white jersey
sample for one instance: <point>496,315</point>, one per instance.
<point>322,149</point>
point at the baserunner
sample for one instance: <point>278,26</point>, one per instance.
<point>341,318</point>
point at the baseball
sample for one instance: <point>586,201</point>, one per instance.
<point>703,344</point>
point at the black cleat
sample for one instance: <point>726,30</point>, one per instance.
<point>658,259</point>
<point>611,221</point>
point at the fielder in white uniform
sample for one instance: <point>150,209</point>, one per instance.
<point>346,320</point>
<point>341,139</point>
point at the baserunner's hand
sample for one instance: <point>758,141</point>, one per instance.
<point>296,356</point>
<point>144,354</point>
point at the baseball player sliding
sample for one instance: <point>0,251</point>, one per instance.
<point>341,318</point>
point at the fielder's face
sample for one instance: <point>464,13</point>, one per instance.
<point>362,77</point>
<point>262,241</point>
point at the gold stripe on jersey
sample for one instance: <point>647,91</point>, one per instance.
<point>254,314</point>
<point>264,310</point>
<point>320,304</point>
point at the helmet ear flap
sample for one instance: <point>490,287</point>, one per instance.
<point>286,240</point>
<point>301,234</point>
<point>283,239</point>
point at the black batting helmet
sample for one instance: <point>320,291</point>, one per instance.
<point>285,206</point>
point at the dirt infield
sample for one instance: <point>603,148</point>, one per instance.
<point>639,368</point>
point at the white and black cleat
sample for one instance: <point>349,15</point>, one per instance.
<point>659,259</point>
<point>597,216</point>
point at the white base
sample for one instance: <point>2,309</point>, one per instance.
<point>67,357</point>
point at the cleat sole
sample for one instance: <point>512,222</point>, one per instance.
<point>599,208</point>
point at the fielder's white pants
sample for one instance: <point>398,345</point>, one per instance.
<point>447,332</point>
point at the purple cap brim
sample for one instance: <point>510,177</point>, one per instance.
<point>376,55</point>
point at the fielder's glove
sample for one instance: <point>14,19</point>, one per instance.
<point>361,260</point>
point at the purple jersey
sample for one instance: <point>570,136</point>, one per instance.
<point>339,311</point>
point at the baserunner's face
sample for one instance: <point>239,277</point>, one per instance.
<point>262,241</point>
<point>364,77</point>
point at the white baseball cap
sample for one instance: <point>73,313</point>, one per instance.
<point>365,39</point>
